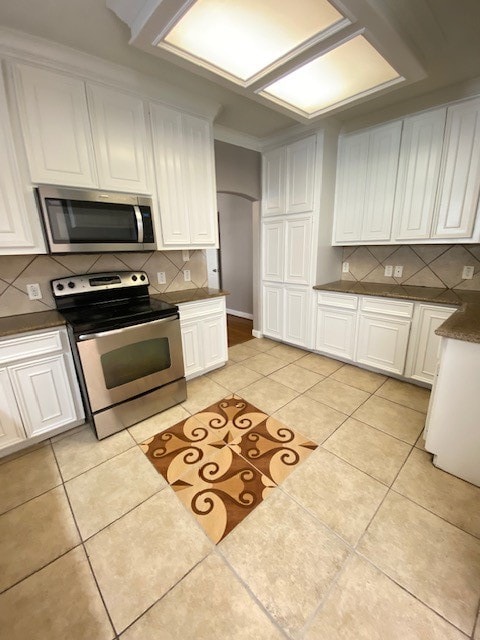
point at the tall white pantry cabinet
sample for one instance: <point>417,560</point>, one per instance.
<point>297,210</point>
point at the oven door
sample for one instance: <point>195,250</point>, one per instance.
<point>124,363</point>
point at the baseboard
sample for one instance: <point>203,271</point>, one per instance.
<point>257,334</point>
<point>240,314</point>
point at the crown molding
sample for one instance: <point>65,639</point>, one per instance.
<point>17,46</point>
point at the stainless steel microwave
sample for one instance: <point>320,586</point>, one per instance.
<point>78,221</point>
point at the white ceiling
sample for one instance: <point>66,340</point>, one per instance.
<point>443,34</point>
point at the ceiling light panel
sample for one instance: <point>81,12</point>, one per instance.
<point>244,37</point>
<point>348,71</point>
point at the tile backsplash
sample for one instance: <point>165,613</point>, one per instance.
<point>18,271</point>
<point>438,265</point>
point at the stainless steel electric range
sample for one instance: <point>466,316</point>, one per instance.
<point>127,347</point>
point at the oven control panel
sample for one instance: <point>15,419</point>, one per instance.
<point>90,282</point>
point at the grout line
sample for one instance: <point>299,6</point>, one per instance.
<point>219,551</point>
<point>410,593</point>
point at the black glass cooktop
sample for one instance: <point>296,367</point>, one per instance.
<point>105,316</point>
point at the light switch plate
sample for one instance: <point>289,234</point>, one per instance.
<point>185,255</point>
<point>398,272</point>
<point>345,267</point>
<point>186,275</point>
<point>388,270</point>
<point>467,273</point>
<point>161,277</point>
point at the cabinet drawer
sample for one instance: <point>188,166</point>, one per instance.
<point>387,307</point>
<point>201,308</point>
<point>30,345</point>
<point>340,300</point>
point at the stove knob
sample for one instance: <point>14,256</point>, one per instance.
<point>60,287</point>
<point>142,278</point>
<point>134,278</point>
<point>71,285</point>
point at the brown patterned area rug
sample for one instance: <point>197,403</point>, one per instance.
<point>223,461</point>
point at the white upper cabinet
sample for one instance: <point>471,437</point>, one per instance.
<point>289,178</point>
<point>459,188</point>
<point>56,127</point>
<point>300,176</point>
<point>120,139</point>
<point>185,174</point>
<point>416,180</point>
<point>20,230</point>
<point>350,187</point>
<point>367,173</point>
<point>384,145</point>
<point>418,171</point>
<point>273,201</point>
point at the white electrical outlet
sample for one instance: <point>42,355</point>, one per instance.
<point>186,275</point>
<point>388,270</point>
<point>185,255</point>
<point>467,273</point>
<point>398,272</point>
<point>34,291</point>
<point>161,277</point>
<point>345,267</point>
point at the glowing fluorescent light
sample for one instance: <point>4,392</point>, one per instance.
<point>243,37</point>
<point>348,70</point>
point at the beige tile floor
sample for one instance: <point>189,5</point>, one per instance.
<point>366,539</point>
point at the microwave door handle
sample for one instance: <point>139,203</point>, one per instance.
<point>139,218</point>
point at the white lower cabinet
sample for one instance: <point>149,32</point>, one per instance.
<point>286,314</point>
<point>424,350</point>
<point>39,392</point>
<point>11,430</point>
<point>382,342</point>
<point>394,336</point>
<point>336,332</point>
<point>204,335</point>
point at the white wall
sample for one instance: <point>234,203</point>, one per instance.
<point>236,251</point>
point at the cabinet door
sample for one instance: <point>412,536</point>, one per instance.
<point>214,339</point>
<point>199,181</point>
<point>350,187</point>
<point>273,250</point>
<point>418,171</point>
<point>301,175</point>
<point>274,187</point>
<point>298,257</point>
<point>11,429</point>
<point>383,151</point>
<point>272,311</point>
<point>56,127</point>
<point>459,184</point>
<point>192,348</point>
<point>20,230</point>
<point>425,344</point>
<point>336,332</point>
<point>42,388</point>
<point>382,342</point>
<point>297,314</point>
<point>167,151</point>
<point>120,140</point>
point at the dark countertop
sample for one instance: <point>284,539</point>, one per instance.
<point>10,325</point>
<point>464,324</point>
<point>190,295</point>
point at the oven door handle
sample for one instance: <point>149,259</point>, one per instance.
<point>139,219</point>
<point>111,332</point>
